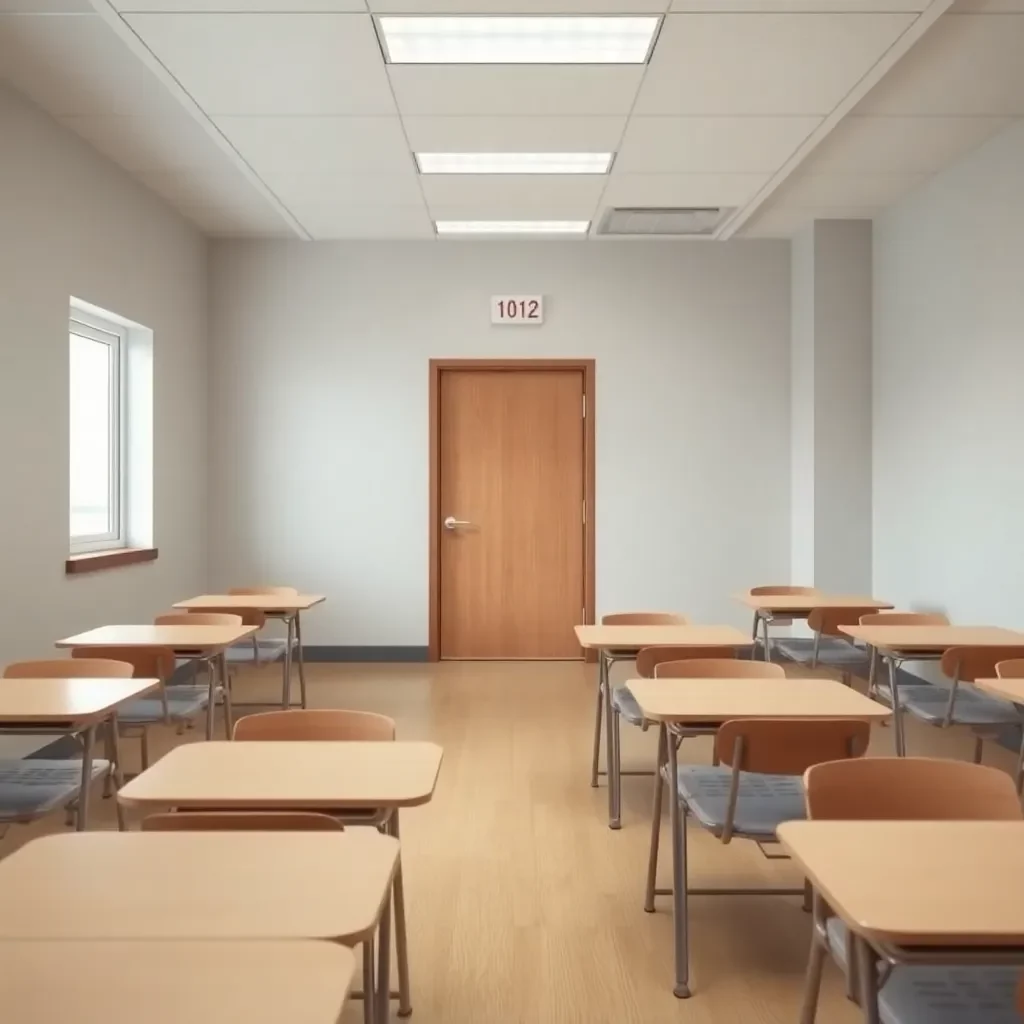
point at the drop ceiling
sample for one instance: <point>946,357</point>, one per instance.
<point>281,118</point>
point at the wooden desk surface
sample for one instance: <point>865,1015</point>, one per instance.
<point>808,602</point>
<point>627,638</point>
<point>1008,689</point>
<point>206,885</point>
<point>718,700</point>
<point>290,775</point>
<point>933,638</point>
<point>259,602</point>
<point>174,982</point>
<point>66,700</point>
<point>917,883</point>
<point>180,638</point>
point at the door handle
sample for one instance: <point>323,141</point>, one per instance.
<point>451,523</point>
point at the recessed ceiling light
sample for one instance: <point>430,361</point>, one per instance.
<point>517,40</point>
<point>512,227</point>
<point>514,163</point>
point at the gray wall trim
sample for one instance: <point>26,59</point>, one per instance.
<point>343,653</point>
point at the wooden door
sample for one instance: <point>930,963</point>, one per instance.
<point>512,474</point>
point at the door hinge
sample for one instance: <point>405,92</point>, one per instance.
<point>584,511</point>
<point>584,406</point>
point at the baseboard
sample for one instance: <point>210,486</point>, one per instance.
<point>375,654</point>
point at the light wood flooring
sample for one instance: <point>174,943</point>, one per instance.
<point>523,907</point>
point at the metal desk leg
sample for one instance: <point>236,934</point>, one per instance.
<point>897,712</point>
<point>301,660</point>
<point>767,639</point>
<point>401,935</point>
<point>88,739</point>
<point>383,980</point>
<point>614,815</point>
<point>286,669</point>
<point>369,981</point>
<point>753,634</point>
<point>115,751</point>
<point>594,764</point>
<point>213,669</point>
<point>872,671</point>
<point>225,682</point>
<point>680,924</point>
<point>659,784</point>
<point>1018,775</point>
<point>868,971</point>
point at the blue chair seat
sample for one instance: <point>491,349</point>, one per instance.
<point>31,787</point>
<point>831,651</point>
<point>764,801</point>
<point>970,708</point>
<point>625,703</point>
<point>148,710</point>
<point>270,651</point>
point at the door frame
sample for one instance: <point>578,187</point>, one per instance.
<point>437,366</point>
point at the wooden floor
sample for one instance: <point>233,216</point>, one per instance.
<point>523,906</point>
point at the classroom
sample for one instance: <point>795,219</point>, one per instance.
<point>511,511</point>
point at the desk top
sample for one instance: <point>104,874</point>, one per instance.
<point>808,602</point>
<point>288,774</point>
<point>917,883</point>
<point>175,982</point>
<point>718,700</point>
<point>628,638</point>
<point>933,638</point>
<point>179,638</point>
<point>66,700</point>
<point>1008,689</point>
<point>259,602</point>
<point>207,885</point>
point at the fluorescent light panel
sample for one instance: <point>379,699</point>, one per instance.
<point>512,227</point>
<point>514,163</point>
<point>517,40</point>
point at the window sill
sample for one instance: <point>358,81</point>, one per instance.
<point>97,561</point>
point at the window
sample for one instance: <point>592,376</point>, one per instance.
<point>97,445</point>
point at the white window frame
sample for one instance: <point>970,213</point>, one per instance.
<point>96,328</point>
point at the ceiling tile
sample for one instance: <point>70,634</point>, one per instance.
<point>804,6</point>
<point>847,190</point>
<point>682,189</point>
<point>699,145</point>
<point>79,65</point>
<point>514,134</point>
<point>324,144</point>
<point>300,190</point>
<point>485,7</point>
<point>278,64</point>
<point>511,190</point>
<point>965,65</point>
<point>149,143</point>
<point>236,6</point>
<point>368,222</point>
<point>900,145</point>
<point>499,90</point>
<point>763,63</point>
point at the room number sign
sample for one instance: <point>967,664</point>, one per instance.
<point>517,309</point>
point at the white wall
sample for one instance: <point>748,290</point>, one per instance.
<point>319,414</point>
<point>802,408</point>
<point>73,224</point>
<point>948,412</point>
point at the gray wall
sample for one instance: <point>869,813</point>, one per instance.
<point>948,367</point>
<point>73,224</point>
<point>319,414</point>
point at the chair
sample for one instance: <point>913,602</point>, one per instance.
<point>172,704</point>
<point>910,789</point>
<point>876,618</point>
<point>216,665</point>
<point>275,649</point>
<point>1013,668</point>
<point>608,658</point>
<point>831,647</point>
<point>756,788</point>
<point>31,788</point>
<point>332,725</point>
<point>766,618</point>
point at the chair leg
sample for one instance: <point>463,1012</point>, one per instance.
<point>1018,775</point>
<point>229,717</point>
<point>597,723</point>
<point>401,936</point>
<point>652,859</point>
<point>615,767</point>
<point>108,753</point>
<point>979,748</point>
<point>144,748</point>
<point>812,984</point>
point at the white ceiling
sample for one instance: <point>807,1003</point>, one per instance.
<point>280,117</point>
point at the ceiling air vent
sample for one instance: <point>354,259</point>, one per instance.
<point>691,222</point>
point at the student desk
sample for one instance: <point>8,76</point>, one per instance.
<point>203,885</point>
<point>70,706</point>
<point>1013,691</point>
<point>168,982</point>
<point>798,606</point>
<point>286,607</point>
<point>630,639</point>
<point>207,643</point>
<point>373,780</point>
<point>918,892</point>
<point>682,702</point>
<point>923,643</point>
